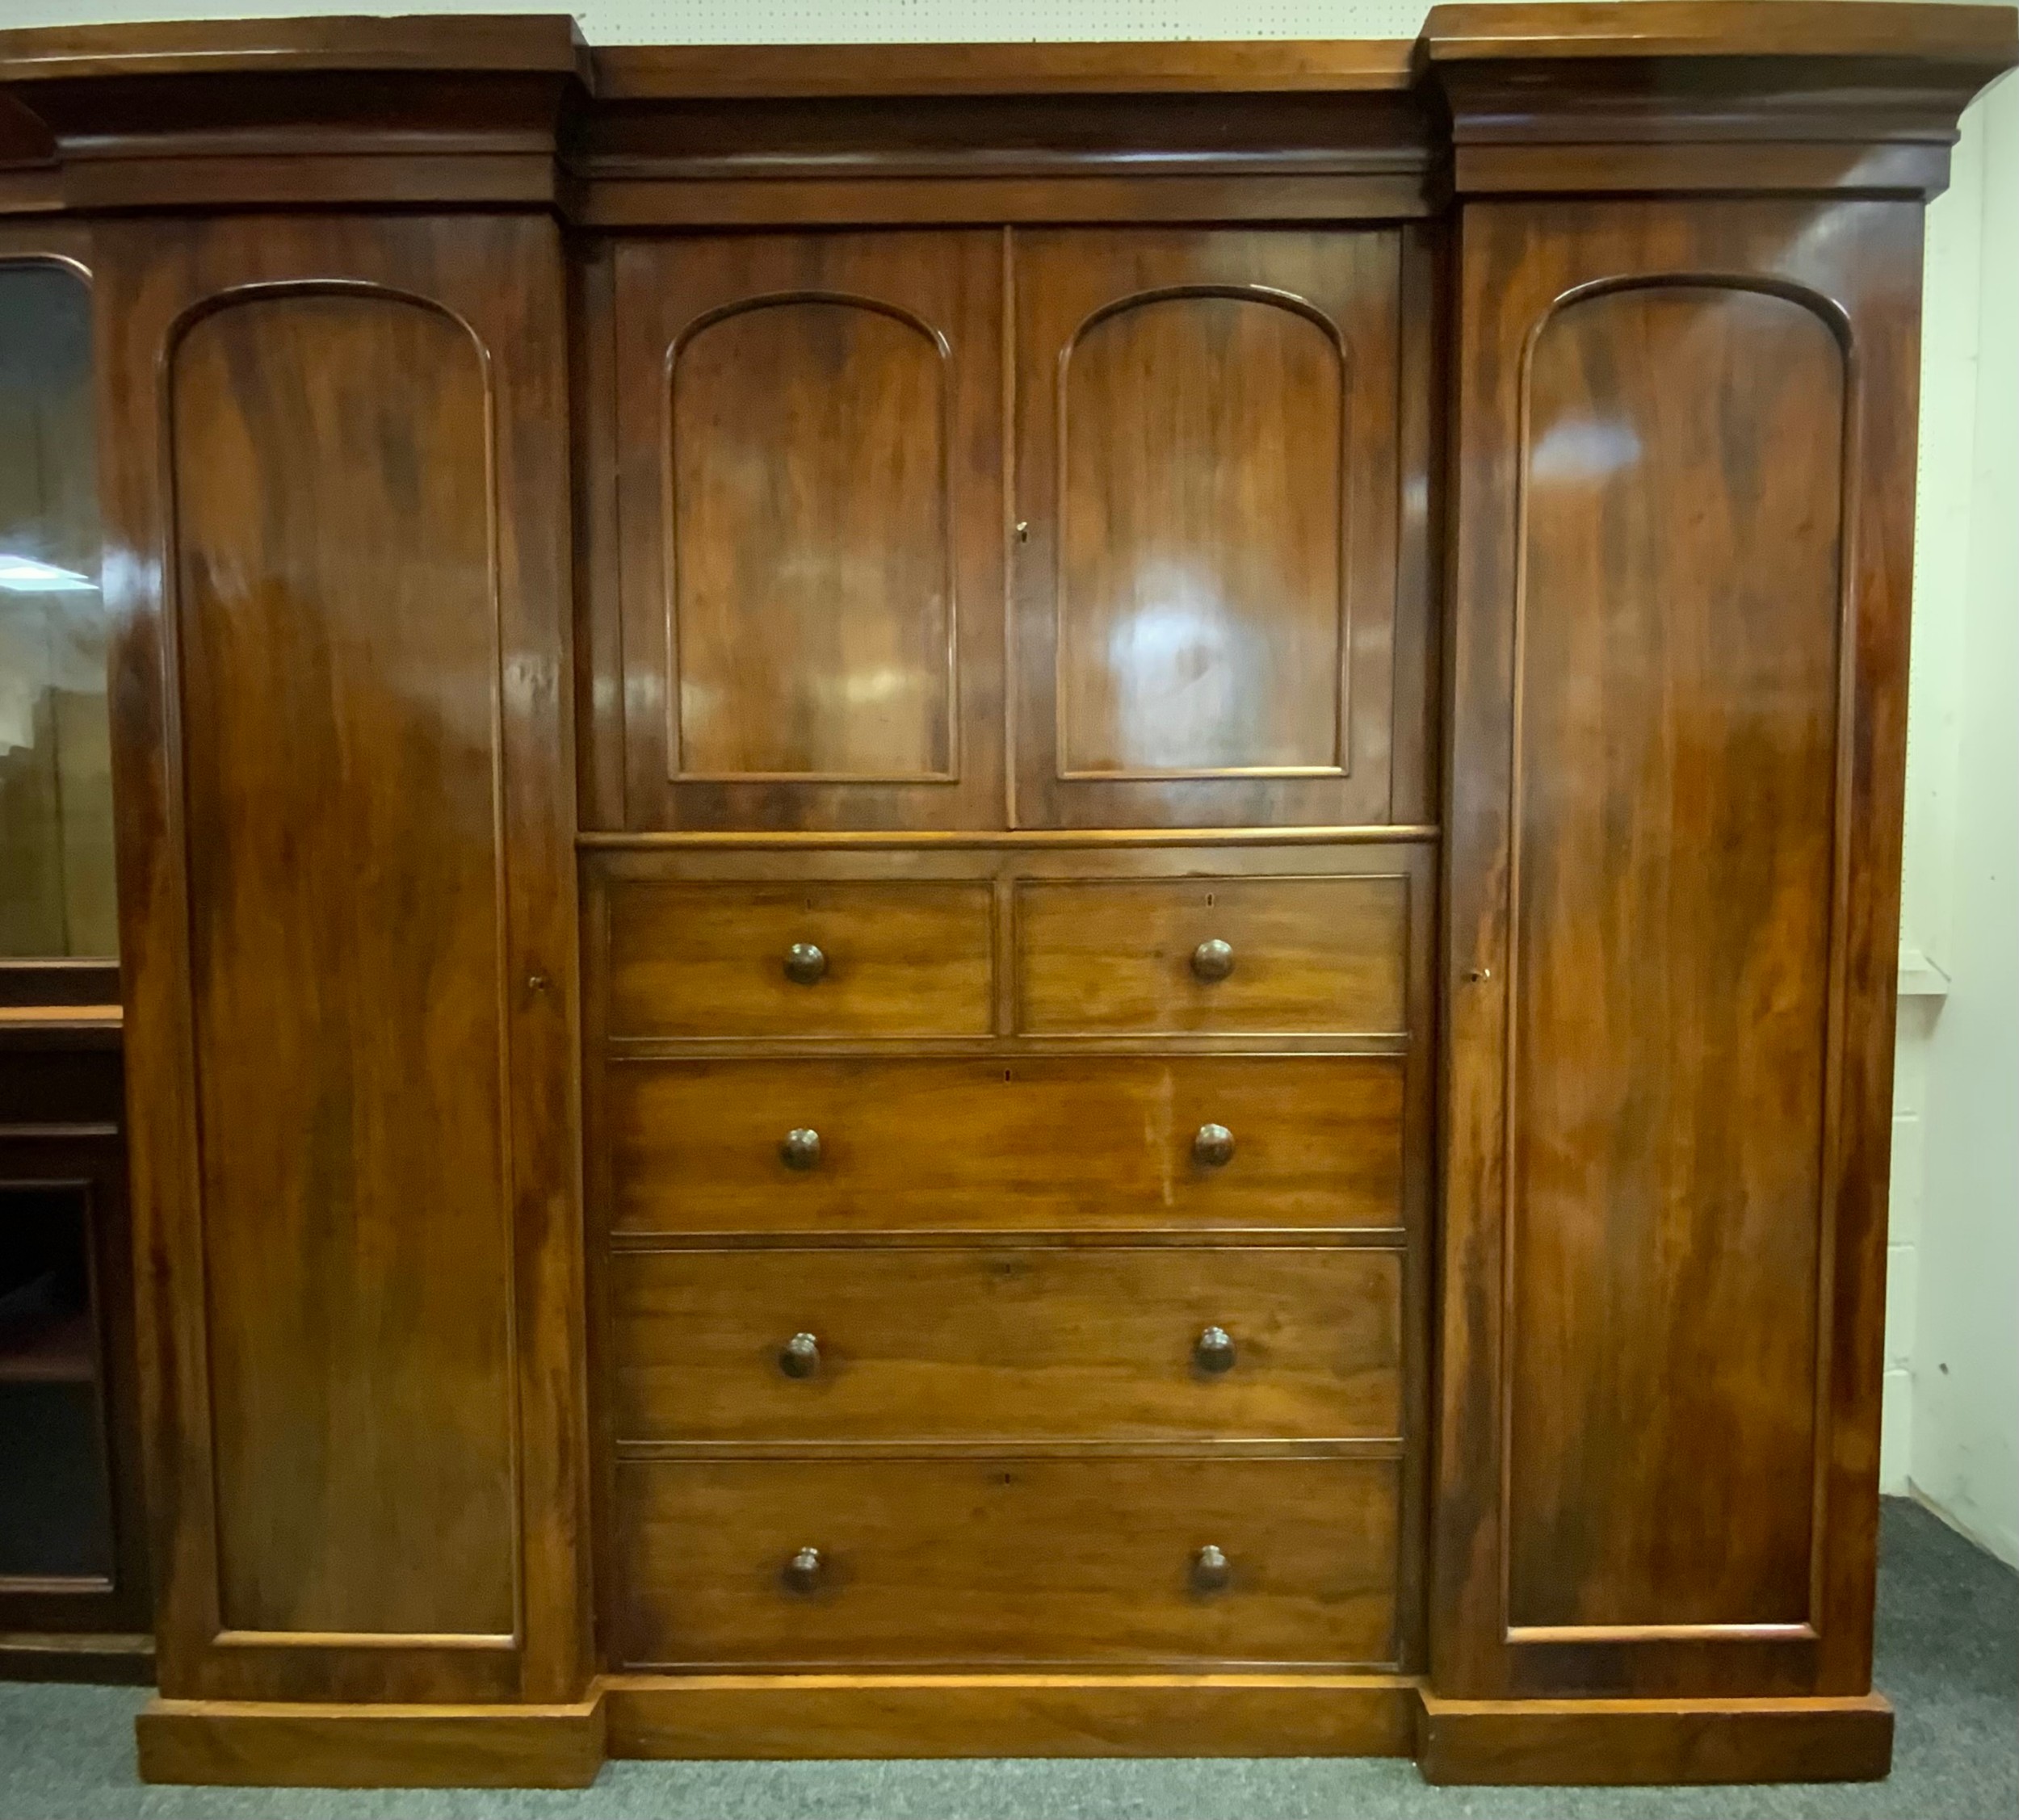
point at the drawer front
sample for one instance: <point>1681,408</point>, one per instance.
<point>711,959</point>
<point>1045,1343</point>
<point>1138,957</point>
<point>1075,1142</point>
<point>980,1561</point>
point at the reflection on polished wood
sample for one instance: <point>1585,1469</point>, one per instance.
<point>1035,1568</point>
<point>348,940</point>
<point>1230,722</point>
<point>348,1018</point>
<point>1302,955</point>
<point>1089,1143</point>
<point>56,794</point>
<point>1670,1089</point>
<point>1188,417</point>
<point>1205,429</point>
<point>1011,1713</point>
<point>696,959</point>
<point>808,487</point>
<point>813,614</point>
<point>1025,1344</point>
<point>1678,675</point>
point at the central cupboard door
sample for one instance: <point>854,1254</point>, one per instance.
<point>811,511</point>
<point>1206,437</point>
<point>1179,448</point>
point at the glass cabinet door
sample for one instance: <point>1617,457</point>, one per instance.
<point>56,895</point>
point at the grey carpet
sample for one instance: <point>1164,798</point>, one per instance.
<point>1948,1656</point>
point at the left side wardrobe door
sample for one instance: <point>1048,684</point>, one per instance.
<point>336,555</point>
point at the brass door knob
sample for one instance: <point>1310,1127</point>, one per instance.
<point>801,1149</point>
<point>1210,1569</point>
<point>1213,960</point>
<point>805,1570</point>
<point>1214,1146</point>
<point>1214,1350</point>
<point>801,1355</point>
<point>804,963</point>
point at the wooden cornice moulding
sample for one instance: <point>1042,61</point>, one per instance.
<point>1709,96</point>
<point>515,111</point>
<point>1001,133</point>
<point>435,44</point>
<point>1662,29</point>
<point>458,110</point>
<point>831,72</point>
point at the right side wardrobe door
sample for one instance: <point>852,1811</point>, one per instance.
<point>1683,506</point>
<point>1205,543</point>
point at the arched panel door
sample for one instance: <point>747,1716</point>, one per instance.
<point>336,561</point>
<point>1208,433</point>
<point>1680,642</point>
<point>810,514</point>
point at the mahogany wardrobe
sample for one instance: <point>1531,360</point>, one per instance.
<point>1004,900</point>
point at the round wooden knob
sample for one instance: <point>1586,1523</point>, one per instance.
<point>1213,960</point>
<point>804,963</point>
<point>1214,1146</point>
<point>1214,1350</point>
<point>805,1570</point>
<point>801,1149</point>
<point>1210,1569</point>
<point>801,1355</point>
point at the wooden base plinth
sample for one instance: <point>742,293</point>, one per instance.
<point>1008,1715</point>
<point>274,1745</point>
<point>1013,1715</point>
<point>1651,1741</point>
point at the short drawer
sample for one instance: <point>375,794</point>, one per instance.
<point>994,1560</point>
<point>1090,1142</point>
<point>929,1344</point>
<point>749,959</point>
<point>1225,956</point>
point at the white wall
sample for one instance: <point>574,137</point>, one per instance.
<point>1951,1384</point>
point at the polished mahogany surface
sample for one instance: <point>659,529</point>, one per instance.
<point>1175,390</point>
<point>311,634</point>
<point>993,1560</point>
<point>804,958</point>
<point>1690,694</point>
<point>1676,790</point>
<point>1237,957</point>
<point>350,924</point>
<point>1232,719</point>
<point>809,490</point>
<point>1081,1142</point>
<point>921,1344</point>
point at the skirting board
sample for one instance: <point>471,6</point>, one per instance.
<point>1010,1715</point>
<point>115,1658</point>
<point>1653,1741</point>
<point>276,1744</point>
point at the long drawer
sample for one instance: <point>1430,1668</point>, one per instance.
<point>1075,1143</point>
<point>933,1343</point>
<point>888,1562</point>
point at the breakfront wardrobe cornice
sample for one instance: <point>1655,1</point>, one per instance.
<point>1723,96</point>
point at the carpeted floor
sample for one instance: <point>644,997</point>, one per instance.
<point>1948,1656</point>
